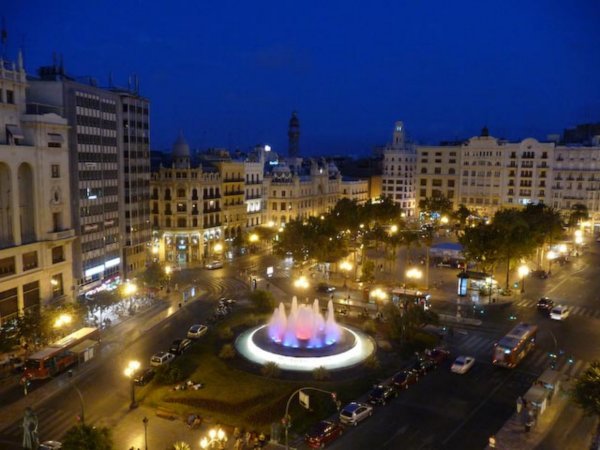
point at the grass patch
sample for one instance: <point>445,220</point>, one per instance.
<point>236,394</point>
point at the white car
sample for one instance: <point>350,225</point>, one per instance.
<point>50,445</point>
<point>161,358</point>
<point>214,265</point>
<point>559,312</point>
<point>462,364</point>
<point>355,412</point>
<point>197,331</point>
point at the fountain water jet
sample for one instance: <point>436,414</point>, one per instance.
<point>304,327</point>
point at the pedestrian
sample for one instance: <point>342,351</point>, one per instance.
<point>492,442</point>
<point>519,404</point>
<point>248,438</point>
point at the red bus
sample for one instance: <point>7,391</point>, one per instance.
<point>513,347</point>
<point>57,356</point>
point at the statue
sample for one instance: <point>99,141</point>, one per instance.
<point>30,430</point>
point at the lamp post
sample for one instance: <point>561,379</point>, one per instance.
<point>301,283</point>
<point>488,281</point>
<point>168,271</point>
<point>216,439</point>
<point>130,372</point>
<point>346,267</point>
<point>523,272</point>
<point>253,238</point>
<point>145,421</point>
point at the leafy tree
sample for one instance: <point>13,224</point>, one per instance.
<point>181,446</point>
<point>586,392</point>
<point>368,271</point>
<point>406,320</point>
<point>262,300</point>
<point>579,212</point>
<point>154,276</point>
<point>545,226</point>
<point>100,302</point>
<point>437,204</point>
<point>513,237</point>
<point>480,244</point>
<point>270,370</point>
<point>168,374</point>
<point>462,214</point>
<point>85,437</point>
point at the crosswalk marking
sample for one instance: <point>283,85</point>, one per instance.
<point>575,309</point>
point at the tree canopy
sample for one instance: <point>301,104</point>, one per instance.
<point>85,437</point>
<point>586,392</point>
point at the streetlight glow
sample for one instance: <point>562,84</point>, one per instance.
<point>301,282</point>
<point>218,247</point>
<point>253,238</point>
<point>129,289</point>
<point>394,229</point>
<point>346,266</point>
<point>62,320</point>
<point>414,273</point>
<point>523,271</point>
<point>168,270</point>
<point>379,294</point>
<point>444,220</point>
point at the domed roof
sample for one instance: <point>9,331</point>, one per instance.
<point>181,149</point>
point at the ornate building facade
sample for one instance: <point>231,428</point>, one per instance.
<point>36,234</point>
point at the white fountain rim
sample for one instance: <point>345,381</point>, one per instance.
<point>362,349</point>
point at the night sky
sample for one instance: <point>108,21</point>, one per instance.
<point>229,73</point>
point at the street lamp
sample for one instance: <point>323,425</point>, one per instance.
<point>216,439</point>
<point>379,294</point>
<point>145,420</point>
<point>63,320</point>
<point>551,256</point>
<point>168,271</point>
<point>346,266</point>
<point>523,272</point>
<point>130,372</point>
<point>488,281</point>
<point>394,229</point>
<point>301,282</point>
<point>414,274</point>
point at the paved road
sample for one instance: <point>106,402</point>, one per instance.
<point>105,390</point>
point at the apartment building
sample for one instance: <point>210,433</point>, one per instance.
<point>109,167</point>
<point>576,179</point>
<point>438,172</point>
<point>36,234</point>
<point>298,192</point>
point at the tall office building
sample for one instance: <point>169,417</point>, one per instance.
<point>134,162</point>
<point>109,167</point>
<point>36,235</point>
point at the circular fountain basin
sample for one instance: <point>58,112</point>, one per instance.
<point>351,349</point>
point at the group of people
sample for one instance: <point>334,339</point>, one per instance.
<point>248,440</point>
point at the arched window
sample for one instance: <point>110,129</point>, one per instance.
<point>26,205</point>
<point>6,207</point>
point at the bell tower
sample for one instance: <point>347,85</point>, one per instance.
<point>294,136</point>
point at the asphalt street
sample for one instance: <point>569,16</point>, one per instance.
<point>443,411</point>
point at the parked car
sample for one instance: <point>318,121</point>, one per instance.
<point>403,379</point>
<point>214,265</point>
<point>50,445</point>
<point>437,355</point>
<point>161,358</point>
<point>179,346</point>
<point>323,433</point>
<point>355,412</point>
<point>428,365</point>
<point>545,304</point>
<point>541,274</point>
<point>559,312</point>
<point>381,394</point>
<point>197,331</point>
<point>326,288</point>
<point>144,376</point>
<point>462,364</point>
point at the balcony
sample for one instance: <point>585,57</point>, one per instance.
<point>211,210</point>
<point>234,180</point>
<point>60,234</point>
<point>230,193</point>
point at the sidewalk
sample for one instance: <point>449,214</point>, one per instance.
<point>128,431</point>
<point>512,436</point>
<point>112,340</point>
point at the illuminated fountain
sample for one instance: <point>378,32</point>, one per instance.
<point>304,339</point>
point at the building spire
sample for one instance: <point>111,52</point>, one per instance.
<point>294,136</point>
